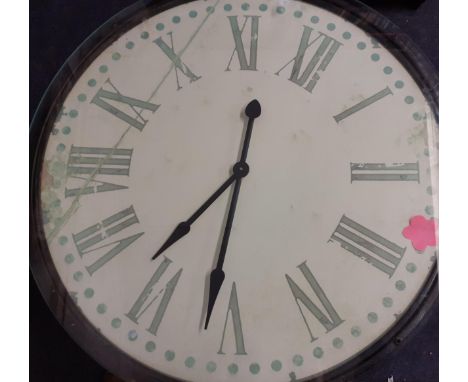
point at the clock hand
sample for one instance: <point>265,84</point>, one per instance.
<point>183,228</point>
<point>241,169</point>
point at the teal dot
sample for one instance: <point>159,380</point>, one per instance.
<point>66,130</point>
<point>399,84</point>
<point>73,113</point>
<point>429,190</point>
<point>355,331</point>
<point>263,7</point>
<point>211,367</point>
<point>144,35</point>
<point>60,149</point>
<point>81,97</point>
<point>254,368</point>
<point>54,131</point>
<point>388,70</point>
<point>314,19</point>
<point>233,369</point>
<point>387,302</point>
<point>375,57</point>
<point>409,100</point>
<point>176,19</point>
<point>361,45</point>
<point>318,352</point>
<point>63,240</point>
<point>337,343</point>
<point>245,6</point>
<point>69,258</point>
<point>372,317</point>
<point>169,355</point>
<point>101,308</point>
<point>346,35</point>
<point>429,210</point>
<point>189,362</point>
<point>417,116</point>
<point>276,365</point>
<point>193,14</point>
<point>411,267</point>
<point>210,9</point>
<point>159,26</point>
<point>298,14</point>
<point>78,276</point>
<point>130,45</point>
<point>116,322</point>
<point>331,26</point>
<point>280,10</point>
<point>426,151</point>
<point>150,346</point>
<point>298,360</point>
<point>132,335</point>
<point>116,56</point>
<point>228,7</point>
<point>103,68</point>
<point>92,82</point>
<point>89,292</point>
<point>400,285</point>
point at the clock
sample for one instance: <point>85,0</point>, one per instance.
<point>237,191</point>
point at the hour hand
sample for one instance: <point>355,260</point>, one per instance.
<point>183,228</point>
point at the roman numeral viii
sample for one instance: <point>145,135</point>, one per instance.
<point>322,56</point>
<point>330,318</point>
<point>150,294</point>
<point>84,162</point>
<point>99,237</point>
<point>367,245</point>
<point>239,48</point>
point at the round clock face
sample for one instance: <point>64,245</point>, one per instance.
<point>319,238</point>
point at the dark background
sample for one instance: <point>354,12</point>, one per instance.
<point>57,27</point>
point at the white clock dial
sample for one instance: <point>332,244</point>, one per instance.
<point>341,159</point>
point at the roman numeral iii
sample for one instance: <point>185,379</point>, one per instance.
<point>404,172</point>
<point>88,163</point>
<point>308,75</point>
<point>150,294</point>
<point>99,237</point>
<point>367,245</point>
<point>239,48</point>
<point>127,109</point>
<point>328,318</point>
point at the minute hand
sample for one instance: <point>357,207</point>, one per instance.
<point>241,169</point>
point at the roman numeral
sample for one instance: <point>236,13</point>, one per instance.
<point>239,48</point>
<point>405,172</point>
<point>176,60</point>
<point>96,238</point>
<point>363,104</point>
<point>319,62</point>
<point>109,100</point>
<point>96,161</point>
<point>149,295</point>
<point>233,308</point>
<point>369,246</point>
<point>328,319</point>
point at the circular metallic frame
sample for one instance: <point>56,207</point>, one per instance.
<point>55,294</point>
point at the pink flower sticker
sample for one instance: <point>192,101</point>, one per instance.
<point>421,232</point>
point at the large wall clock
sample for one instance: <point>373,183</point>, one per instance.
<point>237,191</point>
